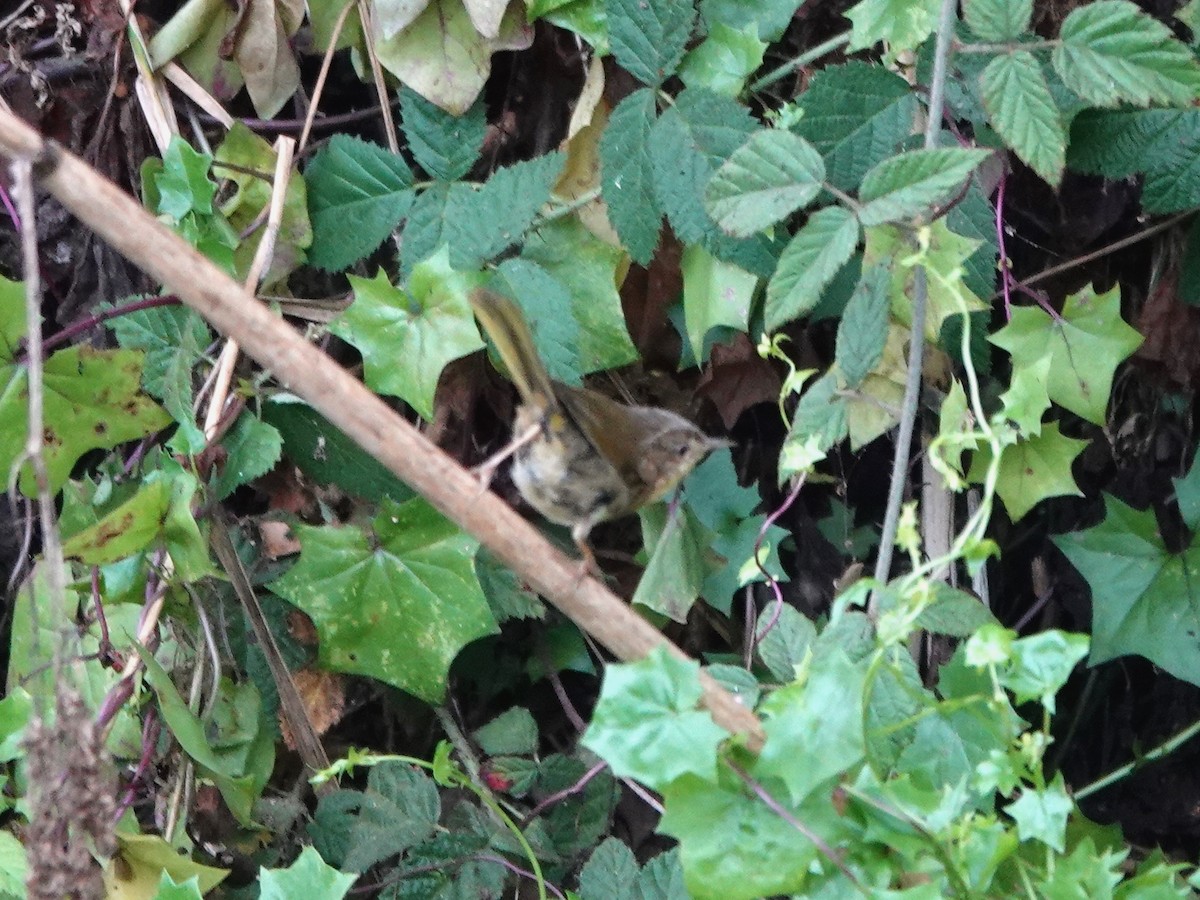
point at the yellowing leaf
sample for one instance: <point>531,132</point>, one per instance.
<point>1032,470</point>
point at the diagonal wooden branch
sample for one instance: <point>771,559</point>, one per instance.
<point>366,419</point>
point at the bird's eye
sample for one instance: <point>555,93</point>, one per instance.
<point>682,450</point>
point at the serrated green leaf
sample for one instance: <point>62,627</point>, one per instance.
<point>786,645</point>
<point>1085,346</point>
<point>902,24</point>
<point>1110,52</point>
<point>351,180</point>
<point>482,223</point>
<point>1142,595</point>
<point>647,724</point>
<point>513,731</point>
<point>587,267</point>
<point>998,20</point>
<point>1042,814</point>
<point>1033,469</point>
<point>862,332</point>
<point>809,262</point>
<point>1022,111</point>
<point>407,336</point>
<point>725,59</point>
<point>406,581</point>
<point>715,294</point>
<point>425,229</point>
<point>444,145</point>
<point>252,447</point>
<point>399,809</point>
<point>648,37</point>
<point>309,876</point>
<point>92,401</point>
<point>856,115</point>
<point>1164,144</point>
<point>954,612</point>
<point>174,339</point>
<point>910,184</point>
<point>819,422</point>
<point>767,179</point>
<point>551,315</point>
<point>627,175</point>
<point>610,873</point>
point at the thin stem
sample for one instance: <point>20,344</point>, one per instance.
<point>771,580</point>
<point>85,325</point>
<point>1005,47</point>
<point>1005,263</point>
<point>1166,747</point>
<point>808,56</point>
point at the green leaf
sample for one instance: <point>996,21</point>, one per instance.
<point>954,612</point>
<point>818,719</point>
<point>1187,494</point>
<point>550,312</point>
<point>425,231</point>
<point>147,858</point>
<point>407,336</point>
<point>902,24</point>
<point>911,184</point>
<point>444,145</point>
<point>1041,664</point>
<point>174,339</point>
<point>309,876</point>
<point>326,455</point>
<point>351,180</point>
<point>725,59</point>
<point>1142,595</point>
<point>587,267</point>
<point>184,184</point>
<point>809,263</point>
<point>771,17</point>
<point>856,115</point>
<point>1163,144</point>
<point>819,422</point>
<point>627,175</point>
<point>648,37</point>
<point>398,810</point>
<point>767,179</point>
<point>252,447</point>
<point>13,865</point>
<point>715,294</point>
<point>786,645</point>
<point>675,573</point>
<point>1032,470</point>
<point>647,726</point>
<point>1042,814</point>
<point>169,889</point>
<point>1110,52</point>
<point>1023,113</point>
<point>998,20</point>
<point>1085,347</point>
<point>513,731</point>
<point>92,401</point>
<point>610,873</point>
<point>407,580</point>
<point>1027,397</point>
<point>862,332</point>
<point>127,529</point>
<point>480,224</point>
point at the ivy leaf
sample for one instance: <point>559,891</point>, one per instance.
<point>627,175</point>
<point>125,530</point>
<point>647,724</point>
<point>482,223</point>
<point>1085,346</point>
<point>1164,144</point>
<point>648,37</point>
<point>146,861</point>
<point>184,185</point>
<point>902,24</point>
<point>1142,594</point>
<point>395,600</point>
<point>819,720</point>
<point>309,876</point>
<point>809,262</point>
<point>1032,470</point>
<point>92,401</point>
<point>169,889</point>
<point>862,332</point>
<point>767,179</point>
<point>1041,664</point>
<point>1023,113</point>
<point>1187,494</point>
<point>715,294</point>
<point>998,20</point>
<point>1110,52</point>
<point>1042,814</point>
<point>856,115</point>
<point>407,336</point>
<point>350,180</point>
<point>444,145</point>
<point>787,644</point>
<point>910,184</point>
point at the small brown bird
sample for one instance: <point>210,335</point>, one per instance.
<point>580,457</point>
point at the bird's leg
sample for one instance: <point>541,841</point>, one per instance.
<point>587,565</point>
